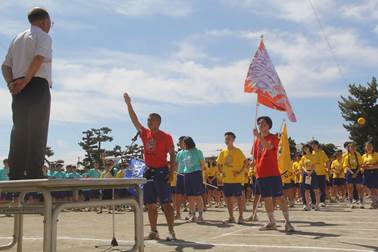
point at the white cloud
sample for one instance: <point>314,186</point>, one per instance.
<point>292,10</point>
<point>363,10</point>
<point>173,8</point>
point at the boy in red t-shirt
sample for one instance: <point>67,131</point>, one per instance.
<point>269,183</point>
<point>157,145</point>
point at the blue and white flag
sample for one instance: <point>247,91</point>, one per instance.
<point>135,170</point>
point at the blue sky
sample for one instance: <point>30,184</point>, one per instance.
<point>187,60</point>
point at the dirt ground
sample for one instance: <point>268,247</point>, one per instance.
<point>334,228</point>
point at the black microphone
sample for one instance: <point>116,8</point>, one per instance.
<point>135,137</point>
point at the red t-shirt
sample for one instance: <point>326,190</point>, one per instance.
<point>156,147</point>
<point>266,160</point>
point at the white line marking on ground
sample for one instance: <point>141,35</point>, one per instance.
<point>210,244</point>
<point>307,236</point>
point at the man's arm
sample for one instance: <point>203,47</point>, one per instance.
<point>132,114</point>
<point>267,145</point>
<point>7,73</point>
<point>18,85</point>
<point>172,158</point>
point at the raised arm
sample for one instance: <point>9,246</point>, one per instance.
<point>132,114</point>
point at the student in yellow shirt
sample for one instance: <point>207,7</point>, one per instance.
<point>287,177</point>
<point>232,163</point>
<point>370,165</point>
<point>352,163</point>
<point>309,179</point>
<point>338,176</point>
<point>256,193</point>
<point>211,180</point>
<point>297,176</point>
<point>321,169</point>
<point>219,192</point>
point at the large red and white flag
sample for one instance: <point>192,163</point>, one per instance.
<point>263,79</point>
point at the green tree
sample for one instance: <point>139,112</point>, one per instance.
<point>329,149</point>
<point>292,146</point>
<point>92,144</point>
<point>361,102</point>
<point>48,153</point>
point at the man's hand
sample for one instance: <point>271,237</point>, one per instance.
<point>127,98</point>
<point>17,86</point>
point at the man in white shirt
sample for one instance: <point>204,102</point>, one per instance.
<point>27,71</point>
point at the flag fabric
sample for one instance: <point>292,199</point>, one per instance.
<point>135,169</point>
<point>263,79</point>
<point>284,160</point>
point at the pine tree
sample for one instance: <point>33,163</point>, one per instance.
<point>92,144</point>
<point>362,102</point>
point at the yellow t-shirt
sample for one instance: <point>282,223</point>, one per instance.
<point>337,169</point>
<point>297,172</point>
<point>120,174</point>
<point>307,163</point>
<point>370,159</point>
<point>320,162</point>
<point>352,161</point>
<point>173,181</point>
<point>212,171</point>
<point>230,161</point>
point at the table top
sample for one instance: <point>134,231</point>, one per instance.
<point>56,184</point>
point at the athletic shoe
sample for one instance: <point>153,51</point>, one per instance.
<point>229,220</point>
<point>317,208</point>
<point>307,208</point>
<point>322,204</point>
<point>289,228</point>
<point>153,235</point>
<point>188,217</point>
<point>171,236</point>
<point>241,220</point>
<point>192,219</point>
<point>304,207</point>
<point>268,226</point>
<point>200,220</point>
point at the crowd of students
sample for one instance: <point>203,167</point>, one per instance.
<point>230,180</point>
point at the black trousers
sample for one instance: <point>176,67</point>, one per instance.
<point>31,114</point>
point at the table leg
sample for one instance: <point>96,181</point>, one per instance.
<point>20,228</point>
<point>47,223</point>
<point>140,225</point>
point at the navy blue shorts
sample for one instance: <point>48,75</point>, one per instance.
<point>371,178</point>
<point>358,180</point>
<point>232,190</point>
<point>158,188</point>
<point>270,187</point>
<point>194,184</point>
<point>338,182</point>
<point>288,186</point>
<point>314,182</point>
<point>180,185</point>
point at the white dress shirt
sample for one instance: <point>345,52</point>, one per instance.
<point>25,47</point>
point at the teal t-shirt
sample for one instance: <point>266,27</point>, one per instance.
<point>60,175</point>
<point>180,162</point>
<point>192,159</point>
<point>93,173</point>
<point>4,174</point>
